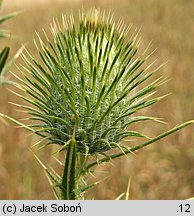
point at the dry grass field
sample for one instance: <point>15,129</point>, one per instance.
<point>164,170</point>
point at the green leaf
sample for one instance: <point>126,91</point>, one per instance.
<point>3,33</point>
<point>8,16</point>
<point>8,65</point>
<point>155,139</point>
<point>3,57</point>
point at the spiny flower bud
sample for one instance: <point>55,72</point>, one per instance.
<point>88,80</point>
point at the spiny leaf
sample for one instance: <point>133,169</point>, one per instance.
<point>3,57</point>
<point>11,62</point>
<point>153,140</point>
<point>8,16</point>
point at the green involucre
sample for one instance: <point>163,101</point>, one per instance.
<point>88,79</point>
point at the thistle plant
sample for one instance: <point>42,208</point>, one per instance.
<point>84,92</point>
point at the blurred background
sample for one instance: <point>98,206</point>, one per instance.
<point>164,170</point>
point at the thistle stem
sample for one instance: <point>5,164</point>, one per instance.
<point>68,184</point>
